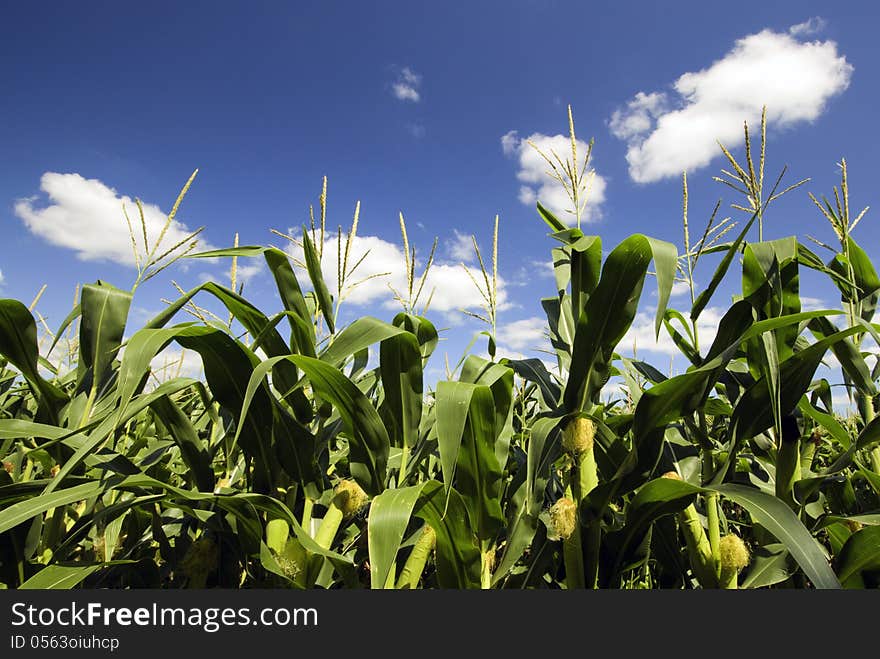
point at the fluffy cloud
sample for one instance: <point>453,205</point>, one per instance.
<point>538,185</point>
<point>669,133</point>
<point>173,362</point>
<point>808,28</point>
<point>406,87</point>
<point>86,215</point>
<point>384,266</point>
<point>247,269</point>
<point>641,334</point>
<point>680,288</point>
<point>461,247</point>
<point>812,303</point>
<point>524,334</point>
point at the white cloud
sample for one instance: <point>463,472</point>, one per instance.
<point>524,334</point>
<point>641,334</point>
<point>809,27</point>
<point>461,247</point>
<point>669,133</point>
<point>2,278</point>
<point>245,270</point>
<point>639,115</point>
<point>842,404</point>
<point>811,303</point>
<point>406,87</point>
<point>510,142</point>
<point>86,215</point>
<point>175,362</point>
<point>540,186</point>
<point>248,269</point>
<point>681,288</point>
<point>384,266</point>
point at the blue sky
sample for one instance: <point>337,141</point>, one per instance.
<point>417,109</point>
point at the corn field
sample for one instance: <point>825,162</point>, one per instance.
<point>314,455</point>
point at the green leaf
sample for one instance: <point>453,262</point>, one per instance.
<point>860,553</point>
<point>228,366</point>
<point>302,329</point>
<point>659,497</point>
<point>478,472</point>
<point>534,370</point>
<point>866,280</point>
<point>59,577</point>
<point>680,395</point>
<point>827,421</point>
<point>598,332</point>
<point>193,451</point>
<point>584,266</point>
<point>775,516</point>
<point>499,378</point>
<point>15,428</point>
<point>400,366</point>
<point>453,400</point>
<point>851,360</point>
<point>284,377</point>
<point>704,297</point>
<point>360,334</point>
<point>23,511</point>
<point>369,444</point>
<point>754,411</point>
<point>665,263</point>
<point>458,558</point>
<point>769,566</point>
<point>108,423</point>
<point>18,344</point>
<point>303,333</point>
<point>550,219</point>
<point>101,330</point>
<point>466,435</point>
<point>313,265</point>
<point>543,450</point>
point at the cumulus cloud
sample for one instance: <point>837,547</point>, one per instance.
<point>667,133</point>
<point>539,185</point>
<point>174,362</point>
<point>382,266</point>
<point>524,334</point>
<point>461,247</point>
<point>641,333</point>
<point>249,269</point>
<point>808,28</point>
<point>406,87</point>
<point>680,288</point>
<point>639,115</point>
<point>86,215</point>
<point>245,270</point>
<point>812,303</point>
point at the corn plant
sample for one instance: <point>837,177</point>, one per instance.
<point>298,461</point>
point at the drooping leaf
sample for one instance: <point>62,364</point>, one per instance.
<point>860,553</point>
<point>59,577</point>
<point>458,558</point>
<point>18,344</point>
<point>721,270</point>
<point>104,311</point>
<point>775,516</point>
<point>313,265</point>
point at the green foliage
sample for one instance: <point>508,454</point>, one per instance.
<point>114,477</point>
